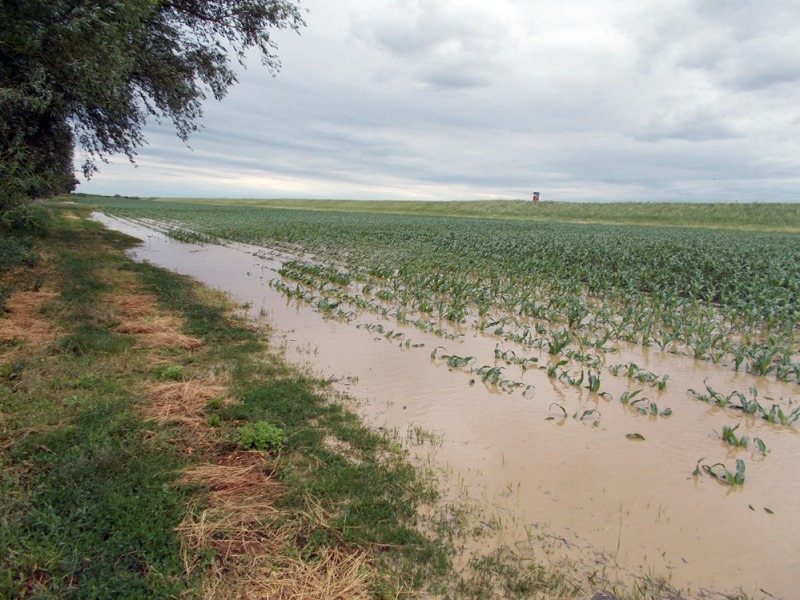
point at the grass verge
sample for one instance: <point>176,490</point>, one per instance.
<point>126,468</point>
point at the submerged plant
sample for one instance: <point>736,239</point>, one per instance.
<point>729,436</point>
<point>558,341</point>
<point>721,473</point>
<point>578,416</point>
<point>647,407</point>
<point>594,382</point>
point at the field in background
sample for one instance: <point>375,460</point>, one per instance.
<point>750,216</point>
<point>729,296</point>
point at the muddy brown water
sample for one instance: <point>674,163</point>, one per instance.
<point>621,506</point>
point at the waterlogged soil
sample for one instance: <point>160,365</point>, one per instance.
<point>606,501</point>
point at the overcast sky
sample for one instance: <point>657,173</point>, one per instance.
<point>687,100</point>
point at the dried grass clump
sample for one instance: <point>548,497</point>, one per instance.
<point>147,325</point>
<point>333,574</point>
<point>141,317</point>
<point>170,339</point>
<point>24,322</point>
<point>240,473</point>
<point>256,553</point>
<point>181,401</point>
<point>159,332</point>
<point>135,305</point>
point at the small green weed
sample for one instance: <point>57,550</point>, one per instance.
<point>262,436</point>
<point>172,372</point>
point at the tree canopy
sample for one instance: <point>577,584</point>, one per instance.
<point>91,73</point>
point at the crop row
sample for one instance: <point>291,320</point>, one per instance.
<point>728,297</point>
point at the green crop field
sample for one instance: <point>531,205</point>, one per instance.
<point>724,295</point>
<point>747,216</point>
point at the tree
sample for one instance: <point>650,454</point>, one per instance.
<point>91,73</point>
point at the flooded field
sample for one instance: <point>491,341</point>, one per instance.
<point>618,466</point>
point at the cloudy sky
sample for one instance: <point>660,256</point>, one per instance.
<point>687,100</point>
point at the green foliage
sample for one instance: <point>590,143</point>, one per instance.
<point>92,73</point>
<point>261,436</point>
<point>724,296</point>
<point>773,413</point>
<point>100,516</point>
<point>729,436</point>
<point>89,498</point>
<point>24,215</point>
<point>754,216</point>
<point>16,251</point>
<point>721,473</point>
<point>173,372</point>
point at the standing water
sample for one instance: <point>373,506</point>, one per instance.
<point>611,486</point>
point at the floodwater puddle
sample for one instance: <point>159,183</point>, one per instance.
<point>556,457</point>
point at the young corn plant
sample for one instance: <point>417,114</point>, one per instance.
<point>778,417</point>
<point>626,397</point>
<point>648,407</point>
<point>558,341</point>
<point>578,416</point>
<point>454,361</point>
<point>729,436</point>
<point>492,375</point>
<point>594,382</point>
<point>552,370</point>
<point>761,362</point>
<point>713,397</point>
<point>722,474</point>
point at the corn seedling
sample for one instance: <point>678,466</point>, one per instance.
<point>558,341</point>
<point>490,374</point>
<point>563,410</point>
<point>721,473</point>
<point>647,407</point>
<point>552,370</point>
<point>713,397</point>
<point>729,436</point>
<point>577,382</point>
<point>578,416</point>
<point>591,412</point>
<point>594,382</point>
<point>633,371</point>
<point>626,396</point>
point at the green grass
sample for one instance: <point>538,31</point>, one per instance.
<point>752,216</point>
<point>89,493</point>
<point>89,498</point>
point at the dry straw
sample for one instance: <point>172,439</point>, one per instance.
<point>181,401</point>
<point>23,321</point>
<point>255,544</point>
<point>141,318</point>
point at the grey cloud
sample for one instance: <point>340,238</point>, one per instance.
<point>739,44</point>
<point>445,99</point>
<point>692,125</point>
<point>442,43</point>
